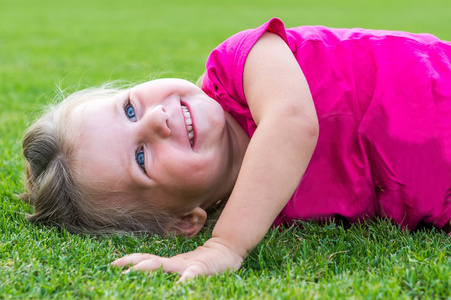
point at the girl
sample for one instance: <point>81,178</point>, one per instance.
<point>343,123</point>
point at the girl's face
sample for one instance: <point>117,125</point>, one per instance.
<point>163,141</point>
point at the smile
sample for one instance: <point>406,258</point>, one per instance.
<point>189,124</point>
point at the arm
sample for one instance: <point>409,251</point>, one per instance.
<point>280,150</point>
<point>277,156</point>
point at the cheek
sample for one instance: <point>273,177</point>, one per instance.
<point>189,173</point>
<point>215,110</point>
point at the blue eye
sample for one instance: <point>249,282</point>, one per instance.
<point>140,159</point>
<point>130,111</point>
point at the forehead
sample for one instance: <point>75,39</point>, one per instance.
<point>100,149</point>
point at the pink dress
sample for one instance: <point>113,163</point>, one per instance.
<point>383,101</point>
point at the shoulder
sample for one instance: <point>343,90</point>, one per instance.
<point>225,64</point>
<point>274,81</point>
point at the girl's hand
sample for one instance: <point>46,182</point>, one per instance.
<point>211,258</point>
<point>275,161</point>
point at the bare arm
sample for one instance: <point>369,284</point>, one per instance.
<point>280,150</point>
<point>277,156</point>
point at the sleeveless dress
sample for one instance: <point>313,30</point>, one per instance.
<point>383,101</point>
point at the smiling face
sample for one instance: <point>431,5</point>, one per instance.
<point>163,141</point>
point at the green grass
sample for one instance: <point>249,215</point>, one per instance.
<point>44,44</point>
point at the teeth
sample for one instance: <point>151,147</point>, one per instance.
<point>188,123</point>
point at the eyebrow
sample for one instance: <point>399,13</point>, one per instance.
<point>135,173</point>
<point>117,108</point>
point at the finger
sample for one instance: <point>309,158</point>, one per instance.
<point>132,259</point>
<point>168,265</point>
<point>191,272</point>
<point>150,264</point>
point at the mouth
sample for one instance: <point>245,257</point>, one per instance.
<point>189,124</point>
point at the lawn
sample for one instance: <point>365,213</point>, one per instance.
<point>49,45</point>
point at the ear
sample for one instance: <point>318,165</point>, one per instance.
<point>192,222</point>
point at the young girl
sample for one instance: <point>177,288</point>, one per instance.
<point>297,124</point>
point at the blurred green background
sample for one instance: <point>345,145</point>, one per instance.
<point>46,45</point>
<point>87,42</point>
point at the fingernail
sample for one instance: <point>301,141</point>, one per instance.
<point>126,271</point>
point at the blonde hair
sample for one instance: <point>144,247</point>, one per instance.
<point>56,188</point>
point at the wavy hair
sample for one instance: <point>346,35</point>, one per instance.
<point>56,189</point>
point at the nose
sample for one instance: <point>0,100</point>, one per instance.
<point>155,123</point>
